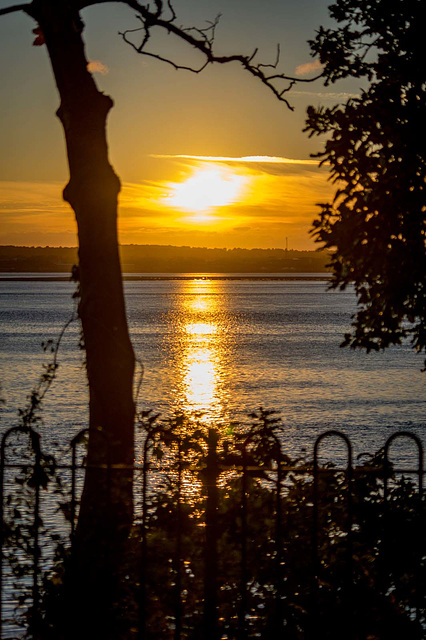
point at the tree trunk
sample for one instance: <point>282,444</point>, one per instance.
<point>106,509</point>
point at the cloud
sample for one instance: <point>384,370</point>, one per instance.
<point>239,159</point>
<point>332,95</point>
<point>143,199</point>
<point>32,198</point>
<point>308,67</point>
<point>34,213</point>
<point>96,66</point>
<point>248,166</point>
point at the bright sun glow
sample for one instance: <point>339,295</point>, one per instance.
<point>205,190</point>
<point>200,329</point>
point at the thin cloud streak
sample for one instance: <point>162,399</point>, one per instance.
<point>239,159</point>
<point>323,95</point>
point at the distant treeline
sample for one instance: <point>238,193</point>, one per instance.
<point>169,259</point>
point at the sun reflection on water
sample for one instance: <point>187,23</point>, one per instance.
<point>200,329</point>
<point>200,379</point>
<point>201,349</point>
<point>199,304</point>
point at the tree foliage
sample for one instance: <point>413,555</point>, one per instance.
<point>264,526</point>
<point>375,227</point>
<point>299,558</point>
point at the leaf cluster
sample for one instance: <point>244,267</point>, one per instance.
<point>375,228</point>
<point>387,562</point>
<point>280,538</point>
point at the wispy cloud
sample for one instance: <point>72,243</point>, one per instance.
<point>332,95</point>
<point>308,67</point>
<point>34,213</point>
<point>240,159</point>
<point>32,197</point>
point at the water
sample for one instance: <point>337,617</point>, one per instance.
<point>223,347</point>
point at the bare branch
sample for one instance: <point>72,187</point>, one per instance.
<point>202,40</point>
<point>138,49</point>
<point>83,4</point>
<point>274,65</point>
<point>26,8</point>
<point>159,5</point>
<point>253,55</point>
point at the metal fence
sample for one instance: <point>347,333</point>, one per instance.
<point>241,541</point>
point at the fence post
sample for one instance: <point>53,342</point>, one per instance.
<point>144,550</point>
<point>313,613</point>
<point>278,547</point>
<point>35,445</point>
<point>74,442</point>
<point>2,463</point>
<point>387,473</point>
<point>210,548</point>
<point>243,589</point>
<point>36,552</point>
<point>178,548</point>
<point>314,626</point>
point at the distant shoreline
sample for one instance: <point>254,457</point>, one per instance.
<point>19,277</point>
<point>152,261</point>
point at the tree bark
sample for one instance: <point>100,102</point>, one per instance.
<point>106,508</point>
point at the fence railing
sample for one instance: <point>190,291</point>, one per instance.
<point>236,541</point>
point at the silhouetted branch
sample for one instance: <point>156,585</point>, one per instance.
<point>202,39</point>
<point>161,13</point>
<point>275,64</point>
<point>26,8</point>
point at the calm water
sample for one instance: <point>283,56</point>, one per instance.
<point>223,347</point>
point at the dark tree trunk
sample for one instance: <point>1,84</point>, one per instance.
<point>106,508</point>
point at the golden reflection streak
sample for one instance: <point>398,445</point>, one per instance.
<point>202,348</point>
<point>200,329</point>
<point>199,304</point>
<point>200,379</point>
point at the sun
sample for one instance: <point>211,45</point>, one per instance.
<point>205,190</point>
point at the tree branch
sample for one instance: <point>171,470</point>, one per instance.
<point>26,8</point>
<point>202,40</point>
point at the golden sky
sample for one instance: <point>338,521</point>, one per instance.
<point>226,202</point>
<point>205,160</point>
<point>256,201</point>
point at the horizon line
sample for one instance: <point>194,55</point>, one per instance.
<point>175,246</point>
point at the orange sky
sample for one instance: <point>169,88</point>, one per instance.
<point>205,160</point>
<point>213,202</point>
